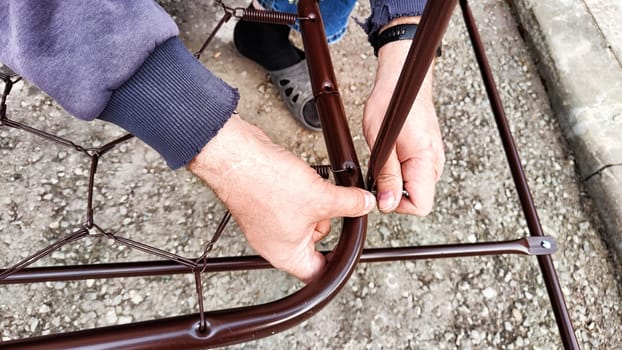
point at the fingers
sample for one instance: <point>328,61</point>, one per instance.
<point>342,201</point>
<point>321,230</point>
<point>417,175</point>
<point>337,201</point>
<point>421,185</point>
<point>308,265</point>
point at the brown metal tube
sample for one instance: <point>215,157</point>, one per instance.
<point>328,102</point>
<point>224,327</point>
<point>531,216</point>
<point>430,32</point>
<point>523,246</point>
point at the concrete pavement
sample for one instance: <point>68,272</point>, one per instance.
<point>470,303</point>
<point>578,47</point>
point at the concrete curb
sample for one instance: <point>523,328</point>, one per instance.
<point>579,59</point>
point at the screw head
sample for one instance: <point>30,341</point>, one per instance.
<point>545,244</point>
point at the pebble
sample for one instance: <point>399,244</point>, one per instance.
<point>116,300</point>
<point>44,309</point>
<point>517,315</point>
<point>111,316</point>
<point>489,293</point>
<point>135,297</point>
<point>33,323</point>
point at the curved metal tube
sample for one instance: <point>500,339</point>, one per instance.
<point>225,327</point>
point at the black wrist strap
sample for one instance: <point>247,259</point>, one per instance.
<point>394,33</point>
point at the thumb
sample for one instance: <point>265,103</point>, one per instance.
<point>349,202</point>
<point>389,185</point>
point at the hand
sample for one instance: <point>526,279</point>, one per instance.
<point>417,160</point>
<point>282,205</point>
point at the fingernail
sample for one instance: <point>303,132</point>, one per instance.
<point>370,202</point>
<point>386,201</point>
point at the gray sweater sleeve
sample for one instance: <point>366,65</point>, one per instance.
<point>121,61</point>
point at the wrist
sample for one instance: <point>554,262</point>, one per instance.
<point>398,29</point>
<point>391,59</point>
<point>400,20</point>
<point>227,154</point>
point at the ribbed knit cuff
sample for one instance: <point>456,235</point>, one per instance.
<point>172,103</point>
<point>384,11</point>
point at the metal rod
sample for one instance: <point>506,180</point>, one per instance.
<point>524,246</point>
<point>4,274</point>
<point>434,22</point>
<point>328,101</point>
<point>531,216</point>
<point>225,18</point>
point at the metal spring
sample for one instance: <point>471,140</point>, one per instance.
<point>6,73</point>
<point>323,170</point>
<point>254,15</point>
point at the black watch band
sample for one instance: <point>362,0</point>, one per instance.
<point>394,33</point>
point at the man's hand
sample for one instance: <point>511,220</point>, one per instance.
<point>282,205</point>
<point>417,160</point>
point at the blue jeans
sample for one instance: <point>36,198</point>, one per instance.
<point>335,14</point>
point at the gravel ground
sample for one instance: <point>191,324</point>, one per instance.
<point>482,303</point>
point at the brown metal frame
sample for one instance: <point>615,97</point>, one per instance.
<point>242,324</point>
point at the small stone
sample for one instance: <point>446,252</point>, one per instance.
<point>125,319</point>
<point>135,298</point>
<point>518,316</point>
<point>111,316</point>
<point>44,309</point>
<point>489,293</point>
<point>33,324</point>
<point>57,254</point>
<point>476,336</point>
<point>116,300</point>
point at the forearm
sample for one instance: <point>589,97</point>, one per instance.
<point>120,61</point>
<point>172,103</point>
<point>78,52</point>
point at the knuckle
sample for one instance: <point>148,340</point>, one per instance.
<point>389,178</point>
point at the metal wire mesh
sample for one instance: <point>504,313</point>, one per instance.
<point>89,227</point>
